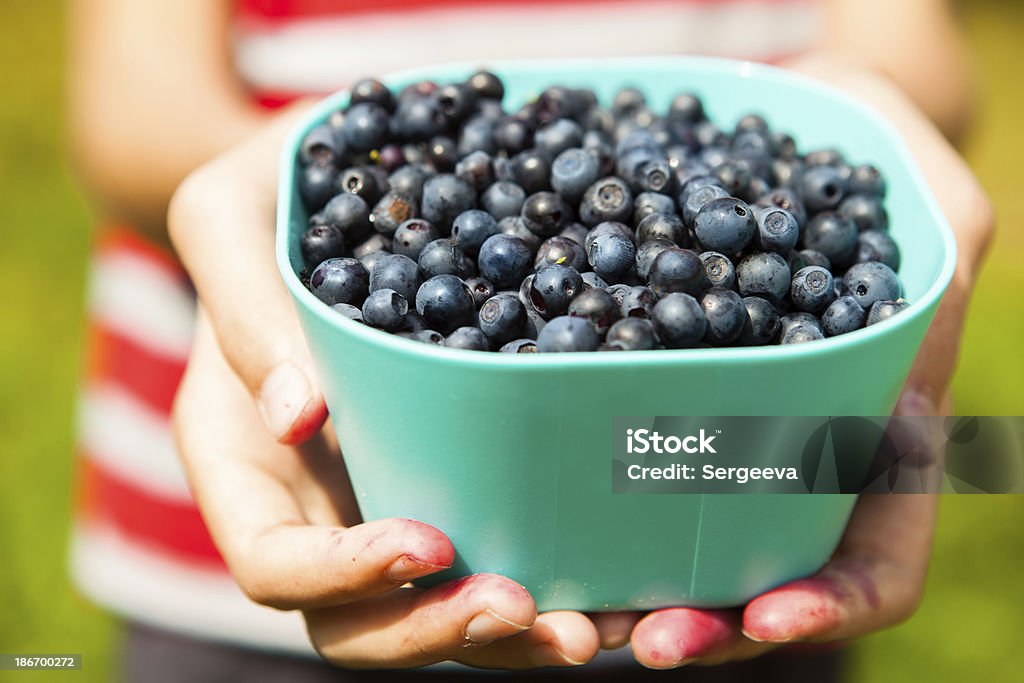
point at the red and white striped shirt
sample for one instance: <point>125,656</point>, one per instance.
<point>140,546</point>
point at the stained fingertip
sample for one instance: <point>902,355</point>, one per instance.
<point>309,420</point>
<point>674,637</point>
<point>799,610</point>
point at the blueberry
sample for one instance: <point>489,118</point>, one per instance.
<point>481,289</point>
<point>385,309</point>
<point>870,282</point>
<point>360,181</point>
<point>577,232</point>
<point>349,311</point>
<point>629,164</point>
<point>370,259</point>
<point>535,322</point>
<point>567,334</point>
<point>833,235</point>
<point>611,256</point>
<point>787,172</point>
<point>374,243</point>
<point>800,334</point>
<point>468,338</point>
<point>502,318</point>
<point>726,316</point>
<point>320,243</point>
<point>783,145</point>
<point>679,321</point>
<point>442,154</point>
<point>637,302</point>
<point>866,212</point>
<point>608,199</point>
<point>544,213</point>
<point>752,123</point>
<point>531,170</point>
<point>476,169</point>
<point>597,306</point>
<point>762,323</point>
<point>735,176</point>
<point>883,310</point>
<point>686,107</point>
<point>777,230</point>
<point>842,316</point>
<point>632,334</point>
<point>520,346</point>
<point>365,126</point>
<point>443,257</point>
<point>606,228</point>
<point>878,245</point>
<point>350,213</point>
<point>592,280</point>
<point>316,184</point>
<point>513,226</point>
<point>445,196</point>
<point>456,101</point>
<point>726,225</point>
<point>824,157</point>
<point>409,180</point>
<point>502,199</point>
<point>445,303</point>
<point>396,272</point>
<point>719,270</point>
<point>340,281</point>
<point>821,188</point>
<point>486,85</point>
<point>661,226</point>
<point>424,336</point>
<point>647,252</point>
<point>504,260</point>
<point>751,142</point>
<point>512,135</point>
<point>391,158</point>
<point>417,118</point>
<point>560,250</point>
<point>798,319</point>
<point>708,134</point>
<point>557,136</point>
<point>766,275</point>
<point>812,289</point>
<point>867,180</point>
<point>784,198</point>
<point>655,176</point>
<point>470,229</point>
<point>573,171</point>
<point>321,146</point>
<point>372,91</point>
<point>677,270</point>
<point>393,209</point>
<point>411,236</point>
<point>696,198</point>
<point>646,203</point>
<point>552,289</point>
<point>811,257</point>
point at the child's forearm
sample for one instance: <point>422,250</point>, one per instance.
<point>916,43</point>
<point>152,96</point>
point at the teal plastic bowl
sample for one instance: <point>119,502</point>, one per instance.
<point>510,455</point>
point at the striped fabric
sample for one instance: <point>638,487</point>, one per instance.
<point>139,545</point>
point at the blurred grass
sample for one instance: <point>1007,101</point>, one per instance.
<point>967,628</point>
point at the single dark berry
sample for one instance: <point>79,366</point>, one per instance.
<point>365,127</point>
<point>647,252</point>
<point>373,243</point>
<point>544,213</point>
<point>476,169</point>
<point>766,275</point>
<point>762,323</point>
<point>349,311</point>
<point>470,230</point>
<point>504,260</point>
<point>777,230</point>
<point>677,270</point>
<point>417,118</point>
<point>442,154</point>
<point>443,257</point>
<point>560,250</point>
<point>573,171</point>
<point>867,212</point>
<point>646,203</point>
<point>632,334</point>
<point>393,209</point>
<point>592,280</point>
<point>798,319</point>
<point>801,334</point>
<point>883,310</point>
<point>530,169</point>
<point>502,199</point>
<point>726,225</point>
<point>340,281</point>
<point>867,180</point>
<point>445,303</point>
<point>552,289</point>
<point>409,180</point>
<point>719,270</point>
<point>361,181</point>
<point>811,257</point>
<point>638,302</point>
<point>481,289</point>
<point>502,318</point>
<point>612,256</point>
<point>842,316</point>
<point>385,309</point>
<point>821,188</point>
<point>786,199</point>
<point>316,184</point>
<point>568,334</point>
<point>812,290</point>
<point>696,197</point>
<point>833,235</point>
<point>597,306</point>
<point>320,243</point>
<point>726,316</point>
<point>398,273</point>
<point>608,199</point>
<point>557,136</point>
<point>445,196</point>
<point>411,236</point>
<point>372,91</point>
<point>660,226</point>
<point>878,245</point>
<point>468,338</point>
<point>679,321</point>
<point>350,213</point>
<point>870,282</point>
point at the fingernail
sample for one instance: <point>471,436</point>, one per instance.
<point>406,568</point>
<point>488,626</point>
<point>549,654</point>
<point>284,395</point>
<point>914,403</point>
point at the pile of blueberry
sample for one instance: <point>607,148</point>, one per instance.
<point>564,226</point>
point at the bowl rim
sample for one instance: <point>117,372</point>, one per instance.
<point>302,297</point>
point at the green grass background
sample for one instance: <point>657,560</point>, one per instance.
<point>967,629</point>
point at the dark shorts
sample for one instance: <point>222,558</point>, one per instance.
<point>154,656</point>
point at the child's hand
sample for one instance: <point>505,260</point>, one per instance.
<point>876,577</point>
<point>286,522</point>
